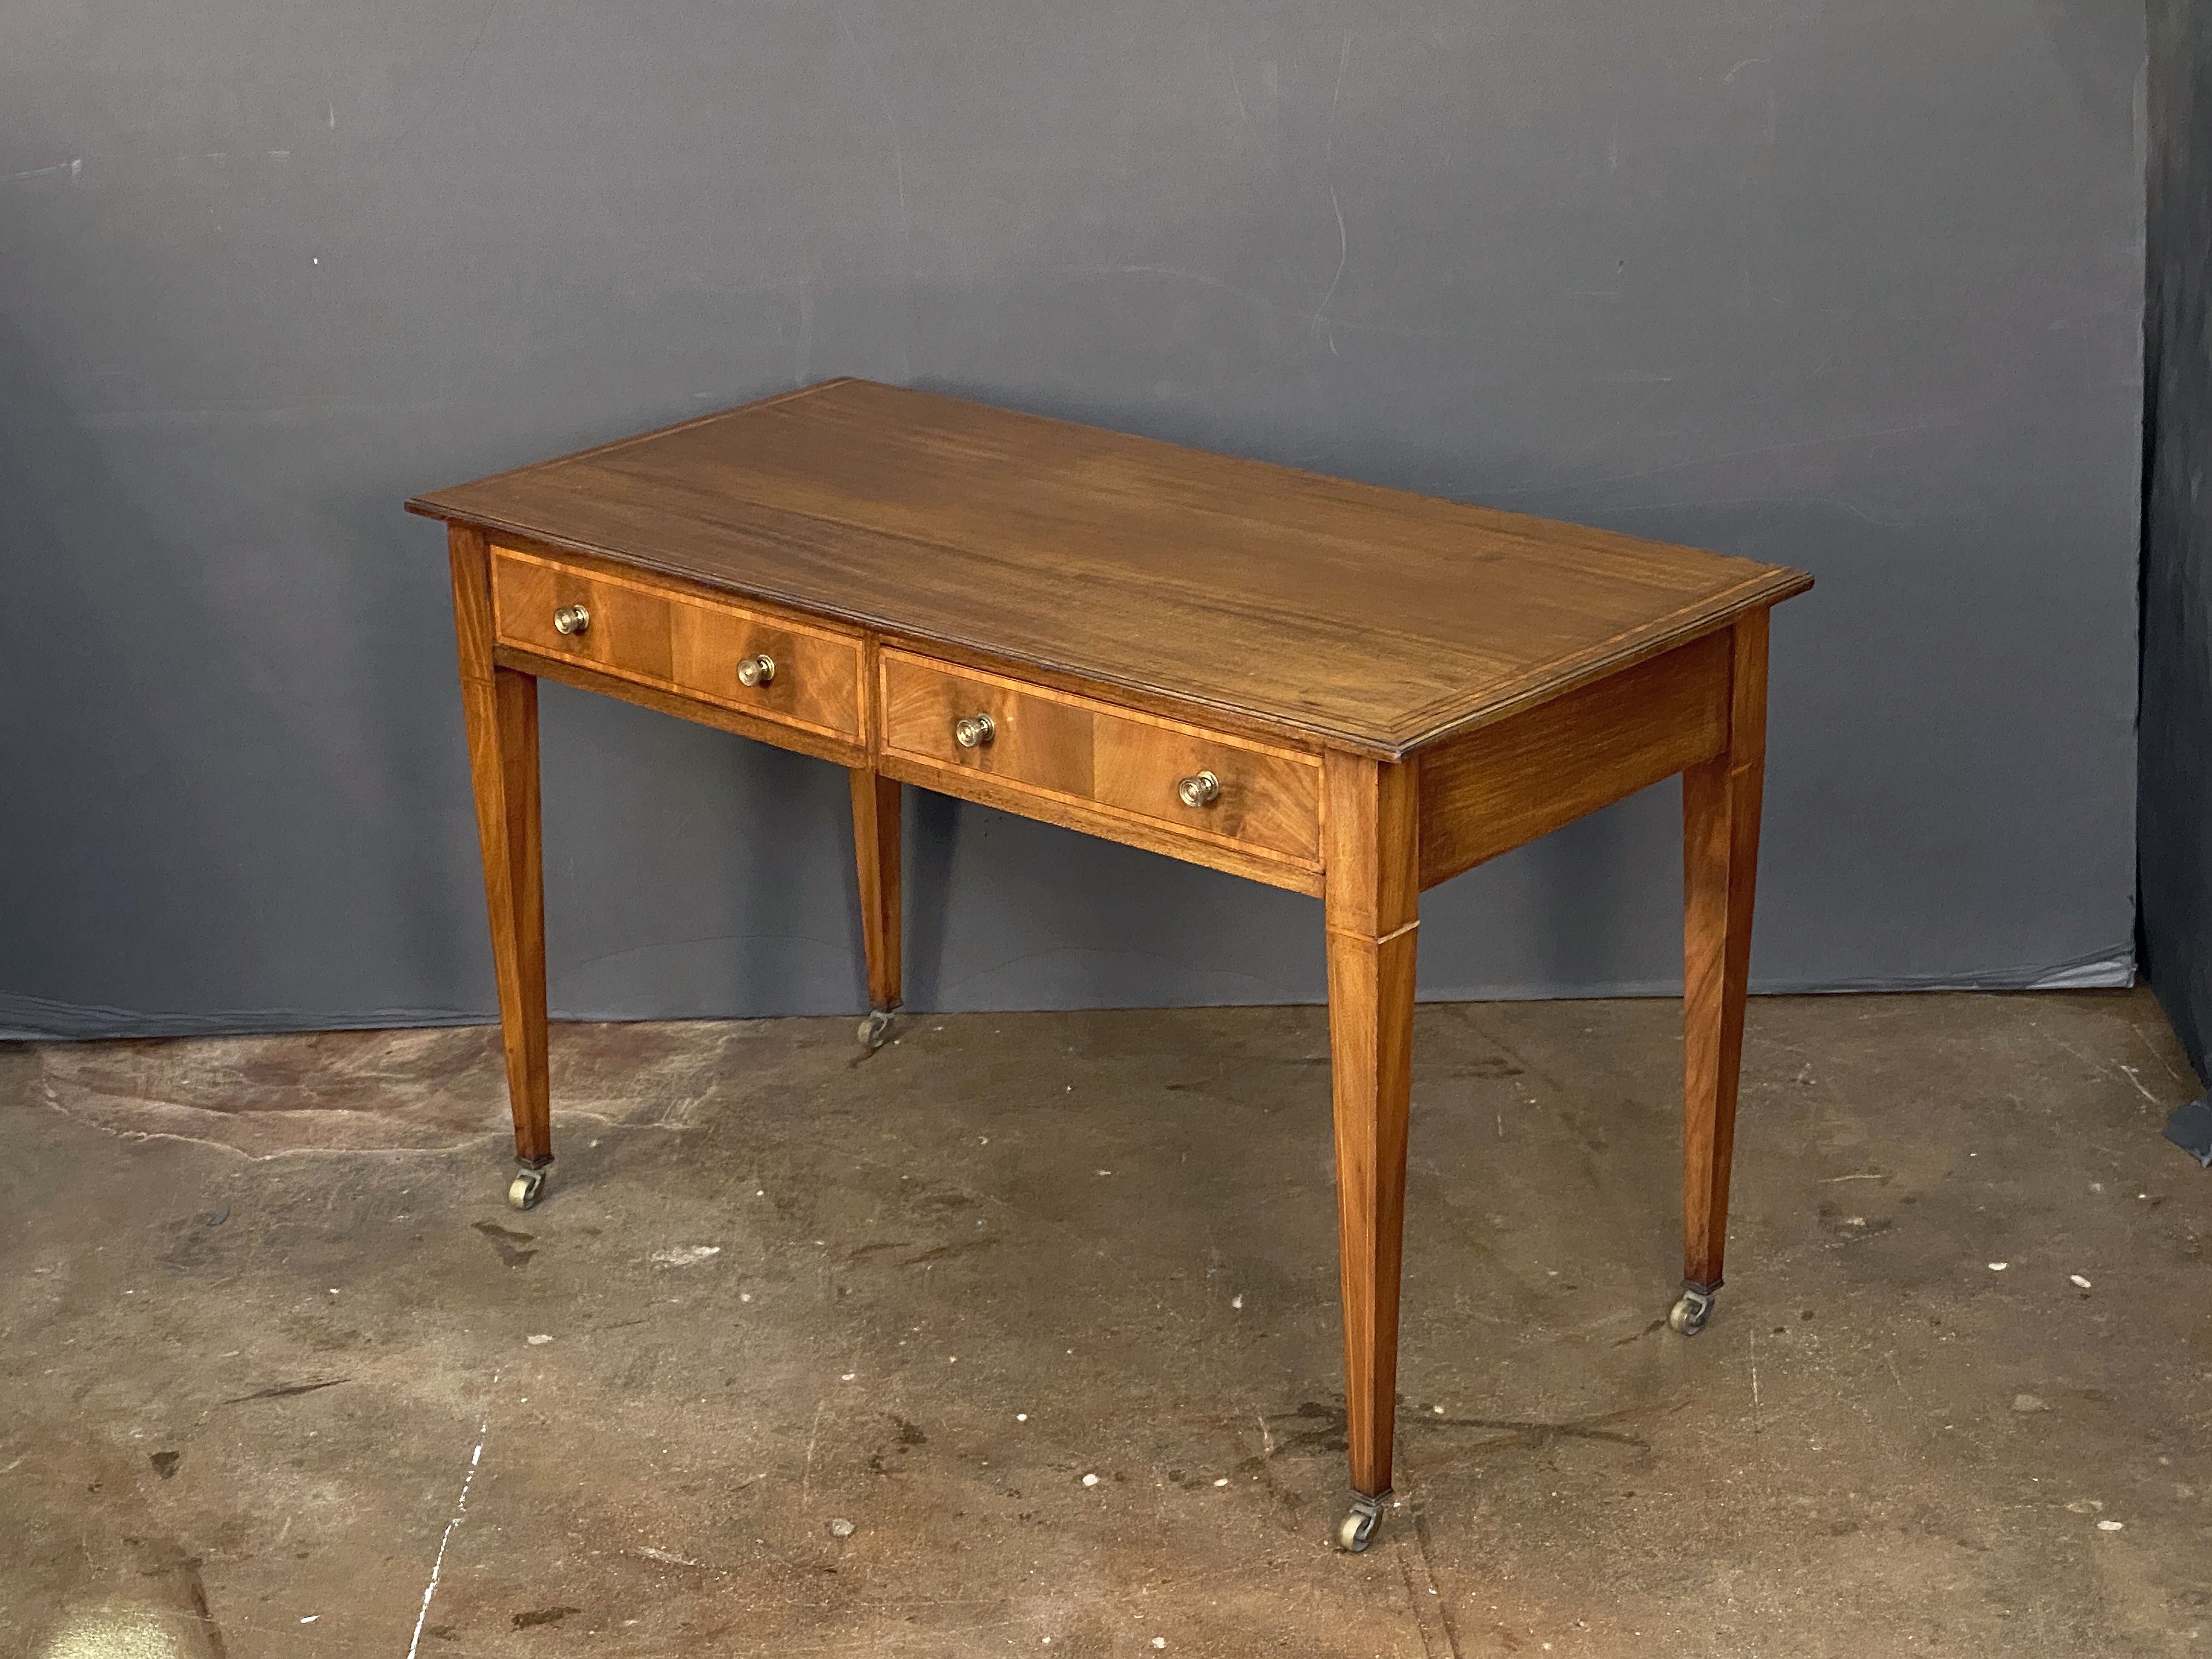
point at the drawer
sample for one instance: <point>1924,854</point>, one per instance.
<point>695,647</point>
<point>1070,748</point>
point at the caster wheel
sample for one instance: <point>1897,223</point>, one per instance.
<point>875,1028</point>
<point>525,1189</point>
<point>1688,1316</point>
<point>1357,1530</point>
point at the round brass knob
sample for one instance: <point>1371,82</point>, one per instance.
<point>756,670</point>
<point>1203,790</point>
<point>974,730</point>
<point>571,619</point>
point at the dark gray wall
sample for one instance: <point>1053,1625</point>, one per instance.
<point>2176,822</point>
<point>1856,288</point>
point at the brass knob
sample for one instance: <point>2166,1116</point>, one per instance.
<point>1203,790</point>
<point>571,619</point>
<point>974,730</point>
<point>756,670</point>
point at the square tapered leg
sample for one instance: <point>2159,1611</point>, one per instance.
<point>501,709</point>
<point>1370,898</point>
<point>1720,862</point>
<point>876,850</point>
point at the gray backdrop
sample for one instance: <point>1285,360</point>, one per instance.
<point>1858,288</point>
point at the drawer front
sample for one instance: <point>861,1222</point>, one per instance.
<point>695,647</point>
<point>1073,749</point>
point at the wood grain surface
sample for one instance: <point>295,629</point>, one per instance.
<point>1375,619</point>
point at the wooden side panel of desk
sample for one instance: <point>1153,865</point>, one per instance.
<point>1492,789</point>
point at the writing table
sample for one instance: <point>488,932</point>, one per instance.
<point>1348,691</point>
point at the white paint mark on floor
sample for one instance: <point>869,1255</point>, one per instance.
<point>1754,1383</point>
<point>460,1509</point>
<point>1900,1376</point>
<point>688,1255</point>
<point>813,1436</point>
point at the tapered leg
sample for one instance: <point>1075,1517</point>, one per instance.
<point>501,707</point>
<point>1720,861</point>
<point>1370,897</point>
<point>876,847</point>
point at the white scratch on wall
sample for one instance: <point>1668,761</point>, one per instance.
<point>1328,168</point>
<point>805,348</point>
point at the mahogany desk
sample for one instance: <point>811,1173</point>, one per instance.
<point>1348,691</point>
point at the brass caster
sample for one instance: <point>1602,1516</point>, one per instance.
<point>875,1028</point>
<point>1688,1316</point>
<point>1357,1530</point>
<point>525,1189</point>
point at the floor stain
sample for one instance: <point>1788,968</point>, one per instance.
<point>544,1616</point>
<point>285,1391</point>
<point>506,1242</point>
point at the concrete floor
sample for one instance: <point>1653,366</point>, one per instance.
<point>278,1362</point>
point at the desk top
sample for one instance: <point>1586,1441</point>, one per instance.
<point>1375,619</point>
